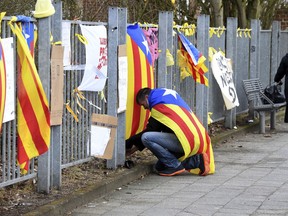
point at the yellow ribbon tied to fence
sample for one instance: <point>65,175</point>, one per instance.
<point>82,39</point>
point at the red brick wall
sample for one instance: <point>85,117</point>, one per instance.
<point>282,15</point>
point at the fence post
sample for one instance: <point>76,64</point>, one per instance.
<point>231,45</point>
<point>114,28</point>
<point>255,49</point>
<point>254,57</point>
<point>44,29</point>
<point>169,69</point>
<point>56,131</point>
<point>121,148</point>
<point>275,49</point>
<point>201,101</point>
<point>162,42</point>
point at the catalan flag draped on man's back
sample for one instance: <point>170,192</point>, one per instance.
<point>170,109</point>
<point>32,104</point>
<point>140,75</point>
<point>194,60</point>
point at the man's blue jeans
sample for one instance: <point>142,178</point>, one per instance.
<point>166,147</point>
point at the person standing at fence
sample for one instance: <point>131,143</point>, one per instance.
<point>173,134</point>
<point>281,72</point>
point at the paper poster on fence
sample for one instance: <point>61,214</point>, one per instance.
<point>100,137</point>
<point>223,73</point>
<point>122,78</point>
<point>95,73</point>
<point>66,29</point>
<point>9,110</point>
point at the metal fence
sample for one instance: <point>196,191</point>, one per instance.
<point>255,56</point>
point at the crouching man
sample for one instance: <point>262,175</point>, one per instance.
<point>173,134</point>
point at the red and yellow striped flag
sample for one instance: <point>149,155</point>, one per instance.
<point>192,60</point>
<point>2,85</point>
<point>140,75</point>
<point>2,79</point>
<point>32,104</point>
<point>170,109</point>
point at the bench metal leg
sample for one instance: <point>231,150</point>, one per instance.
<point>262,122</point>
<point>272,119</point>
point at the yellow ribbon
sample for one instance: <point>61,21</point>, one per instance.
<point>82,39</point>
<point>71,111</point>
<point>79,95</point>
<point>1,17</point>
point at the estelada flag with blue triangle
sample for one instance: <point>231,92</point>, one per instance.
<point>170,109</point>
<point>194,60</point>
<point>140,75</point>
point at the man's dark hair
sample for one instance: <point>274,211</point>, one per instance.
<point>141,94</point>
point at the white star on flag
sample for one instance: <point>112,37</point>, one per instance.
<point>145,43</point>
<point>27,36</point>
<point>170,92</point>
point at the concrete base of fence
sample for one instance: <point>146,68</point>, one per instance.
<point>83,196</point>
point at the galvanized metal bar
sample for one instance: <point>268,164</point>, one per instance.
<point>162,44</point>
<point>56,131</point>
<point>44,29</point>
<point>284,43</point>
<point>254,49</point>
<point>205,52</point>
<point>175,68</point>
<point>265,57</point>
<point>216,101</point>
<point>17,180</point>
<point>113,38</point>
<point>169,44</point>
<point>231,43</point>
<point>76,162</point>
<point>201,100</point>
<point>121,149</point>
<point>275,47</point>
<point>3,157</point>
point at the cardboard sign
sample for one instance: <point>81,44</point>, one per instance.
<point>223,73</point>
<point>57,81</point>
<point>103,132</point>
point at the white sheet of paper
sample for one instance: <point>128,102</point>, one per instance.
<point>95,73</point>
<point>100,137</point>
<point>122,83</point>
<point>66,28</point>
<point>9,110</point>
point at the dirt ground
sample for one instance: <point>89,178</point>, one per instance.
<point>23,197</point>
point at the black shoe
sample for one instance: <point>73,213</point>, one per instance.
<point>159,166</point>
<point>172,171</point>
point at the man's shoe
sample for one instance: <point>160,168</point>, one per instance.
<point>159,166</point>
<point>172,171</point>
<point>204,164</point>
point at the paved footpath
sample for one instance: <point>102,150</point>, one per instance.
<point>251,178</point>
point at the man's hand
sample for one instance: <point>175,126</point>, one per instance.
<point>131,150</point>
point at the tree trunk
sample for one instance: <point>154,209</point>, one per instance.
<point>242,19</point>
<point>217,10</point>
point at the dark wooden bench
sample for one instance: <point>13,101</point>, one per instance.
<point>255,95</point>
